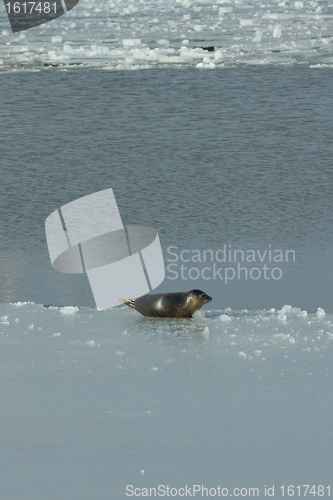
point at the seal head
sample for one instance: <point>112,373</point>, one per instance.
<point>169,305</point>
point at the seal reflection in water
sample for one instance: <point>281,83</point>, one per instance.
<point>169,305</point>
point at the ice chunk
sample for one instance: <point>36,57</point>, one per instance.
<point>242,354</point>
<point>258,36</point>
<point>199,27</point>
<point>68,310</point>
<point>225,10</point>
<point>302,314</point>
<point>320,313</point>
<point>277,31</point>
<point>246,22</point>
<point>206,332</point>
<point>282,336</point>
<point>225,318</point>
<point>198,315</point>
<point>131,42</point>
<point>56,39</point>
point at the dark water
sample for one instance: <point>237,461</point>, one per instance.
<point>239,157</point>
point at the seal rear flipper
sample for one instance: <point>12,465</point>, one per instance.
<point>128,302</point>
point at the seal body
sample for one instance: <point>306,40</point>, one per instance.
<point>169,305</point>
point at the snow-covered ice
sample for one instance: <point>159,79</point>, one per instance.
<point>92,399</point>
<point>129,34</point>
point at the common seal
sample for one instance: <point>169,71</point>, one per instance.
<point>169,305</point>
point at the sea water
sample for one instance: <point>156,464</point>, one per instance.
<point>105,404</point>
<point>232,168</point>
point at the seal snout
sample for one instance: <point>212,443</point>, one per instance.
<point>207,298</point>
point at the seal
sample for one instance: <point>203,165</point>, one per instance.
<point>169,305</point>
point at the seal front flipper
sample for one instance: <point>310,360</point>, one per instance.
<point>128,302</point>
